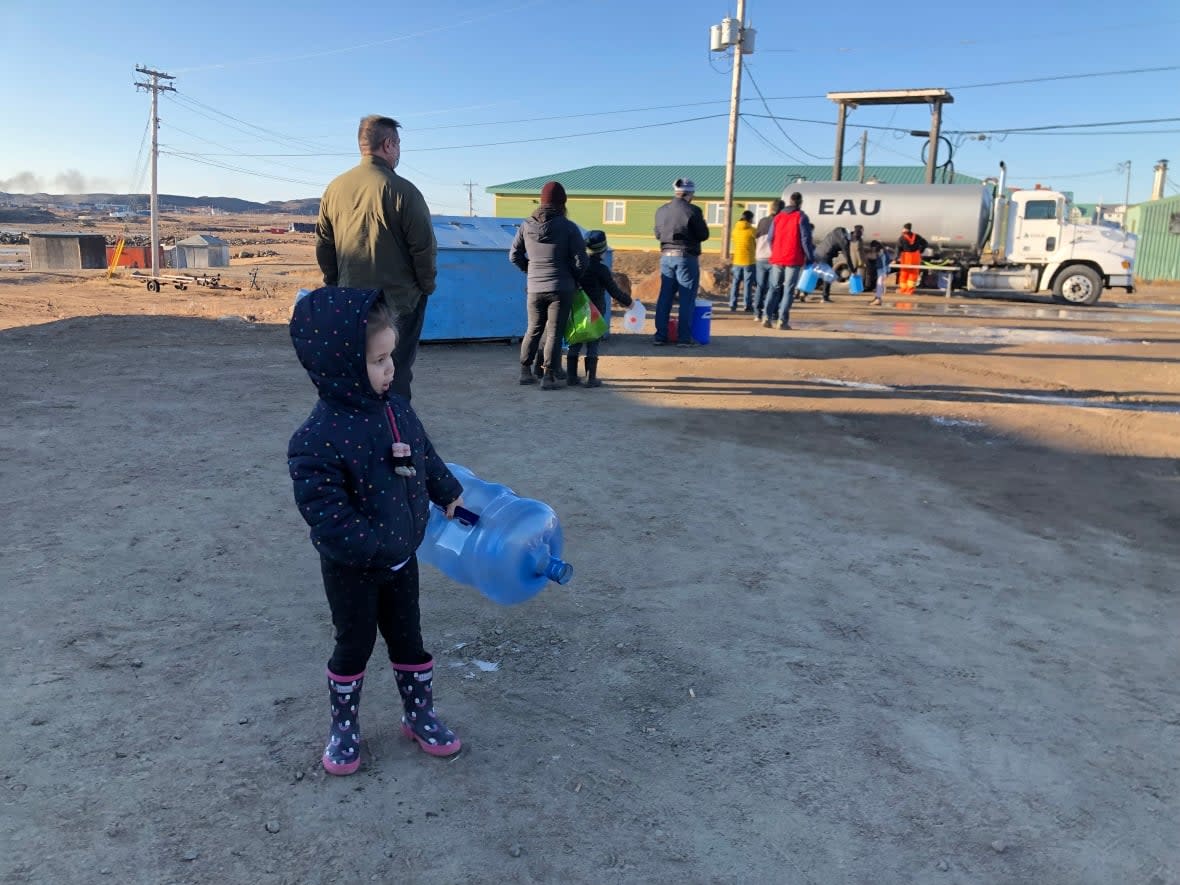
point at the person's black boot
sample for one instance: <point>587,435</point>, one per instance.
<point>419,722</point>
<point>342,755</point>
<point>571,370</point>
<point>526,375</point>
<point>592,372</point>
<point>549,382</point>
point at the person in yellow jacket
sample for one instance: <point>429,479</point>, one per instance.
<point>743,261</point>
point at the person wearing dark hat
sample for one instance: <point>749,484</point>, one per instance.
<point>549,248</point>
<point>597,283</point>
<point>680,228</point>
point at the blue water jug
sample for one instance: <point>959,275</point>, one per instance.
<point>856,285</point>
<point>506,547</point>
<point>808,279</point>
<point>825,272</point>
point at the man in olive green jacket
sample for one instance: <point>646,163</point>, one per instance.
<point>375,232</point>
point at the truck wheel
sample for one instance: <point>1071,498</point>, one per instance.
<point>1078,285</point>
<point>153,285</point>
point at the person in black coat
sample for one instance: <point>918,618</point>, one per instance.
<point>597,283</point>
<point>835,243</point>
<point>549,248</point>
<point>365,474</point>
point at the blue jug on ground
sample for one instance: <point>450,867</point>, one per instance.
<point>808,279</point>
<point>506,547</point>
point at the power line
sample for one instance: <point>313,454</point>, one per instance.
<point>1086,76</point>
<point>754,83</point>
<point>193,105</point>
<point>227,147</point>
<point>1023,129</point>
<point>197,158</point>
<point>367,45</point>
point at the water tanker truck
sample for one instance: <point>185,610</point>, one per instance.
<point>990,240</point>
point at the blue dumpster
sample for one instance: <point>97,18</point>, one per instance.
<point>480,293</point>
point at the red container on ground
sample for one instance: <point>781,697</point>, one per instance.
<point>135,257</point>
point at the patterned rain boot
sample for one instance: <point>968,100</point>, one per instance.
<point>342,755</point>
<point>592,372</point>
<point>571,370</point>
<point>420,723</point>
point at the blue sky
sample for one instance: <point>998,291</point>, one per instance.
<point>292,79</point>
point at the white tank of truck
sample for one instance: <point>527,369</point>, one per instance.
<point>992,241</point>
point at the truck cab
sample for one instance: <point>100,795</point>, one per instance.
<point>1075,262</point>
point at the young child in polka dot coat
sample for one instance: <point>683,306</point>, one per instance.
<point>365,476</point>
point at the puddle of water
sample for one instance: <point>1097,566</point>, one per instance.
<point>859,385</point>
<point>1126,313</point>
<point>1043,398</point>
<point>957,334</point>
<point>955,422</point>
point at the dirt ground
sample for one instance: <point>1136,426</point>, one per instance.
<point>890,598</point>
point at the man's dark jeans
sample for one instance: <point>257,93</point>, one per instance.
<point>549,312</point>
<point>679,277</point>
<point>409,330</point>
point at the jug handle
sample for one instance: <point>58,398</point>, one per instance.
<point>465,516</point>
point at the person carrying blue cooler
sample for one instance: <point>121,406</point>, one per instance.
<point>834,244</point>
<point>597,282</point>
<point>791,249</point>
<point>365,474</point>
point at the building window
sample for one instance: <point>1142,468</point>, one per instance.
<point>715,213</point>
<point>760,210</point>
<point>614,211</point>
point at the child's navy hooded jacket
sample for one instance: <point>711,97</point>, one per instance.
<point>361,513</point>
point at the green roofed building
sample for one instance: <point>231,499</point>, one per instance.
<point>622,200</point>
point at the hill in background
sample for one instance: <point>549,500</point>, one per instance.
<point>133,202</point>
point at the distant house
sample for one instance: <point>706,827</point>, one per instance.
<point>622,200</point>
<point>67,251</point>
<point>201,250</point>
<point>302,227</point>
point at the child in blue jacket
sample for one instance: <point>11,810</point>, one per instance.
<point>365,475</point>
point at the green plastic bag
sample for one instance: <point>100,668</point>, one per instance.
<point>586,321</point>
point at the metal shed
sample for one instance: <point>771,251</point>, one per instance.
<point>202,250</point>
<point>67,251</point>
<point>1157,224</point>
<point>480,293</point>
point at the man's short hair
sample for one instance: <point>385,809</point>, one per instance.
<point>747,215</point>
<point>374,129</point>
<point>777,206</point>
<point>797,198</point>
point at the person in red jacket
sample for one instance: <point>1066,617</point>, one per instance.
<point>791,248</point>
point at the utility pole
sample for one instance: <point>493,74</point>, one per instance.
<point>156,87</point>
<point>470,204</point>
<point>732,32</point>
<point>864,149</point>
<point>1126,166</point>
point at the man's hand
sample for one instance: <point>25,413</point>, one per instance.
<point>458,502</point>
